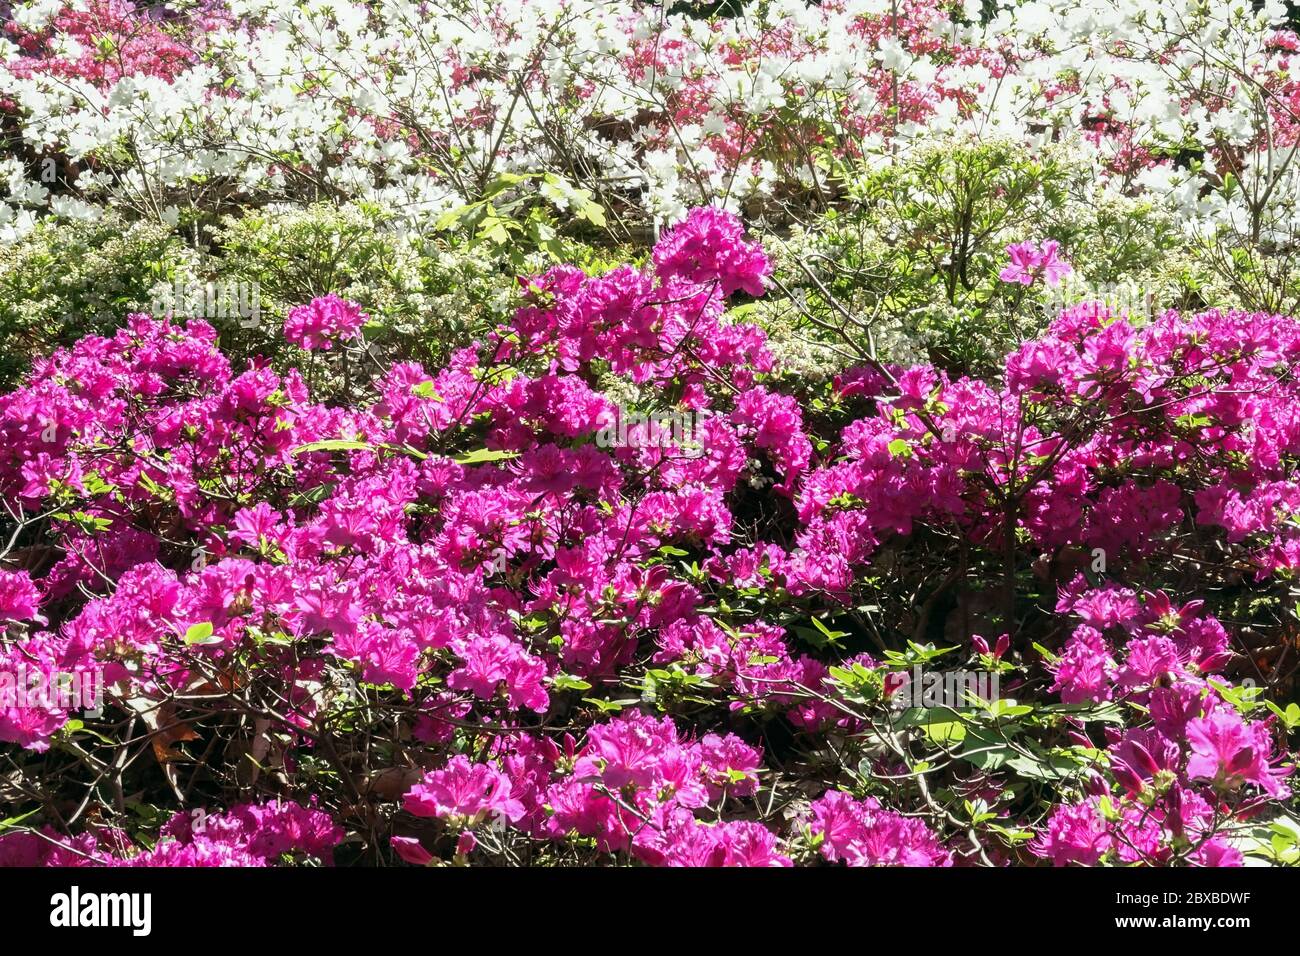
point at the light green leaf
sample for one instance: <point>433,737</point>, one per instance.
<point>486,455</point>
<point>334,444</point>
<point>201,633</point>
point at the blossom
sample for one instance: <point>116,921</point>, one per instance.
<point>494,661</point>
<point>1029,263</point>
<point>861,833</point>
<point>708,246</point>
<point>464,791</point>
<point>19,598</point>
<point>684,841</point>
<point>245,835</point>
<point>1075,834</point>
<point>1230,751</point>
<point>1085,669</point>
<point>322,322</point>
<point>1141,755</point>
<point>453,557</point>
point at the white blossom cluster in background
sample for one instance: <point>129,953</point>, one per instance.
<point>419,106</point>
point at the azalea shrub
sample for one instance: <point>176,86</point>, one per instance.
<point>187,111</point>
<point>754,433</point>
<point>612,585</point>
<point>416,157</point>
<point>64,280</point>
<point>423,295</point>
<point>908,262</point>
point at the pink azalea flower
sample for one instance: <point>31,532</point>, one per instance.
<point>1074,835</point>
<point>1029,263</point>
<point>1085,671</point>
<point>464,791</point>
<point>1229,751</point>
<point>323,321</point>
<point>860,833</point>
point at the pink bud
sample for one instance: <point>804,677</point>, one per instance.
<point>410,850</point>
<point>1078,739</point>
<point>1126,777</point>
<point>1145,760</point>
<point>1096,785</point>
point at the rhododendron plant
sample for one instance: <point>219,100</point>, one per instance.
<point>530,646</point>
<point>675,555</point>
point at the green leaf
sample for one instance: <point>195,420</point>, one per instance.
<point>449,219</point>
<point>1047,655</point>
<point>945,731</point>
<point>569,682</point>
<point>1002,707</point>
<point>1051,768</point>
<point>1104,713</point>
<point>1290,717</point>
<point>610,706</point>
<point>1015,836</point>
<point>495,230</point>
<point>821,636</point>
<point>334,444</point>
<point>201,633</point>
<point>485,455</point>
<point>593,212</point>
<point>11,822</point>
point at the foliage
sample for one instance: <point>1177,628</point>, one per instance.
<point>908,268</point>
<point>61,282</point>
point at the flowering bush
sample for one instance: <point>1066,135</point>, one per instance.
<point>907,266</point>
<point>456,622</point>
<point>1156,143</point>
<point>64,280</point>
<point>205,105</point>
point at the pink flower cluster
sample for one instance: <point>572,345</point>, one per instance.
<point>114,38</point>
<point>322,322</point>
<point>246,835</point>
<point>634,785</point>
<point>1029,263</point>
<point>463,547</point>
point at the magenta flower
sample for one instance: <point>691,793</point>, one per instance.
<point>464,791</point>
<point>1140,756</point>
<point>1074,835</point>
<point>494,663</point>
<point>684,841</point>
<point>860,833</point>
<point>466,537</point>
<point>323,321</point>
<point>410,850</point>
<point>19,598</point>
<point>709,246</point>
<point>1231,752</point>
<point>1029,263</point>
<point>1086,670</point>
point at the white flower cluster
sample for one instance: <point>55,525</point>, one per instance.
<point>420,105</point>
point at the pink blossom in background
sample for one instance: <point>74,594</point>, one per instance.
<point>1029,263</point>
<point>322,322</point>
